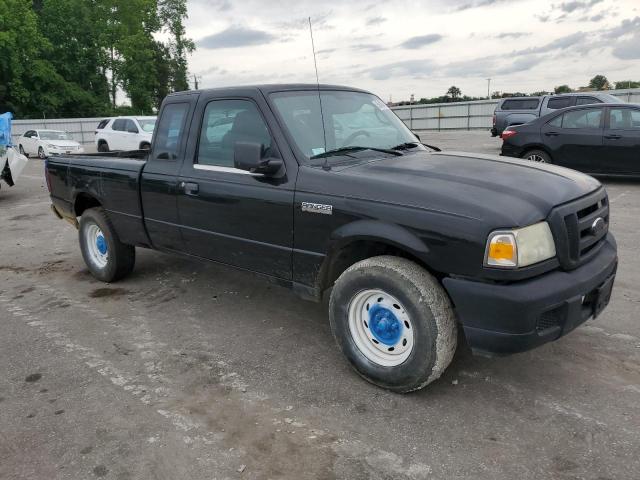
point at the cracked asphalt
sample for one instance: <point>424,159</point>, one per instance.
<point>192,370</point>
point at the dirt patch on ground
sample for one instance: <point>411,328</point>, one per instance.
<point>51,267</point>
<point>11,268</point>
<point>108,292</point>
<point>26,217</point>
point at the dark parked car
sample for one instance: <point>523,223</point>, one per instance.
<point>406,242</point>
<point>597,140</point>
<point>521,110</point>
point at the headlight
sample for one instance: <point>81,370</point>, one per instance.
<point>520,247</point>
<point>51,146</point>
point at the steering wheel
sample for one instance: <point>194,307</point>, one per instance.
<point>354,135</point>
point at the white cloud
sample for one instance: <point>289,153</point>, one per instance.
<point>399,47</point>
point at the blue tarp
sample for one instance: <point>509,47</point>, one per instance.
<point>5,128</point>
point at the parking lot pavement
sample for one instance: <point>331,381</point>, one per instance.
<point>191,370</point>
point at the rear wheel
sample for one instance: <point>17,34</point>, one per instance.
<point>394,323</point>
<point>539,156</point>
<point>108,259</point>
<point>145,146</point>
<point>103,147</point>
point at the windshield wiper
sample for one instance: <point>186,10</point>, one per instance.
<point>353,148</point>
<point>408,145</point>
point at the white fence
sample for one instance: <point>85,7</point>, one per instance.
<point>81,129</point>
<point>438,116</point>
<point>477,115</point>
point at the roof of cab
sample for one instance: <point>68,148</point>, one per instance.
<point>270,88</point>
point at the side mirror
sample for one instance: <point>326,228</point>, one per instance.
<point>249,156</point>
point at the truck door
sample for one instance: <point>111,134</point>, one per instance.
<point>158,183</point>
<point>622,140</point>
<point>229,215</point>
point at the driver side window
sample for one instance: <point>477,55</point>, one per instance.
<point>225,123</point>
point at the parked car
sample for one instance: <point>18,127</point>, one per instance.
<point>603,139</point>
<point>521,110</point>
<point>407,243</point>
<point>11,164</point>
<point>44,143</point>
<point>124,133</point>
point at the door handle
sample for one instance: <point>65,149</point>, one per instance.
<point>552,134</point>
<point>613,137</point>
<point>189,188</point>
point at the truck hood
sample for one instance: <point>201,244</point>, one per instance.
<point>489,188</point>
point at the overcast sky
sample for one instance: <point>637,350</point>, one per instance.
<point>399,47</point>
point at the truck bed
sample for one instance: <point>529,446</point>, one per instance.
<point>73,179</point>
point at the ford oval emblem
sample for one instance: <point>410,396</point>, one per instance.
<point>598,226</point>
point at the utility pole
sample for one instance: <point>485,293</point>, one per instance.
<point>489,88</point>
<point>195,82</point>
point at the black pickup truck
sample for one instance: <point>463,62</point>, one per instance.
<point>324,190</point>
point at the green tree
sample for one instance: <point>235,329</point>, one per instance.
<point>172,14</point>
<point>627,84</point>
<point>454,92</point>
<point>562,89</point>
<point>599,82</point>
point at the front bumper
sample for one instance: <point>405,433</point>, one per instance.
<point>509,318</point>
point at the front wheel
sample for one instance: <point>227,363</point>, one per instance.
<point>108,259</point>
<point>539,156</point>
<point>41,154</point>
<point>22,152</point>
<point>394,323</point>
<point>103,147</point>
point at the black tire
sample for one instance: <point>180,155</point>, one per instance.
<point>103,147</point>
<point>145,146</point>
<point>41,154</point>
<point>427,304</point>
<point>22,152</point>
<point>539,156</point>
<point>121,258</point>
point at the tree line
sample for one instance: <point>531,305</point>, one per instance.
<point>71,58</point>
<point>454,94</point>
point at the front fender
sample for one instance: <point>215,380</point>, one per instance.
<point>378,231</point>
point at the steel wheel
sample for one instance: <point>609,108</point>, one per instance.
<point>534,157</point>
<point>96,246</point>
<point>41,153</point>
<point>380,327</point>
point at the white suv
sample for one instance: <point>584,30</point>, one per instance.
<point>124,133</point>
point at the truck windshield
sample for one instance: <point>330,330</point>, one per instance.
<point>351,119</point>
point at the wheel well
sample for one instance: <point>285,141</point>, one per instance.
<point>83,202</point>
<point>536,147</point>
<point>101,141</point>
<point>359,250</point>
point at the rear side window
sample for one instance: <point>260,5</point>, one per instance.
<point>118,125</point>
<point>556,122</point>
<point>624,119</point>
<point>559,102</point>
<point>587,101</point>
<point>169,131</point>
<point>520,104</point>
<point>102,124</point>
<point>588,118</point>
<point>130,126</point>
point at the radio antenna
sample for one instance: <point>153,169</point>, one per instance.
<point>315,63</point>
